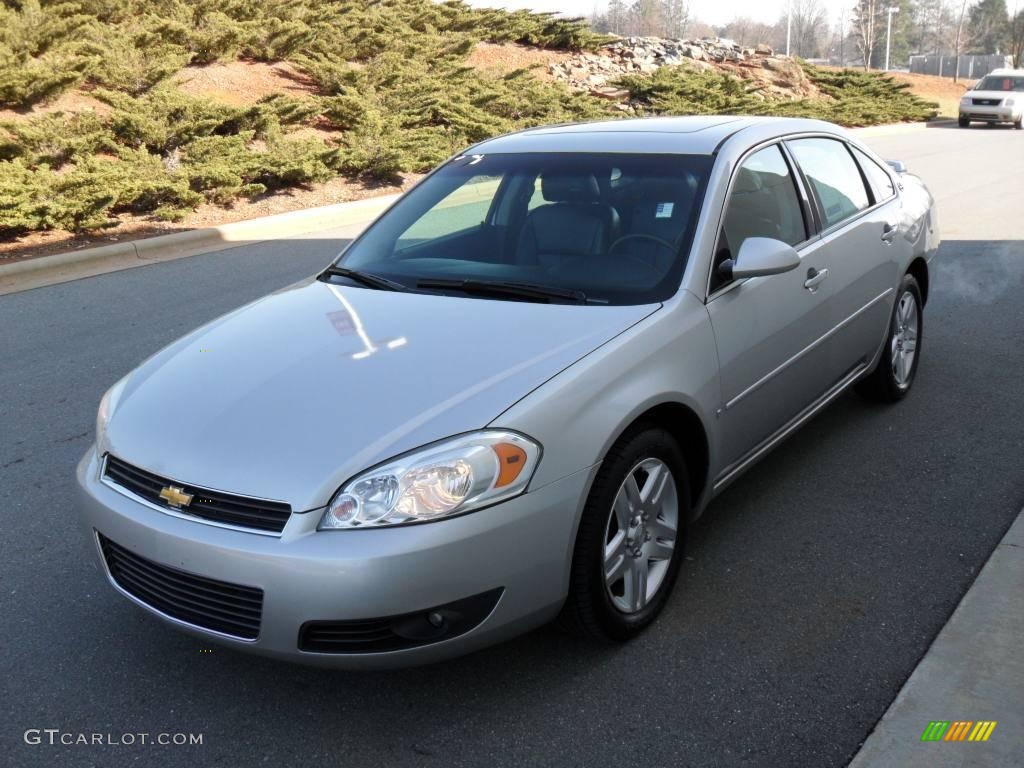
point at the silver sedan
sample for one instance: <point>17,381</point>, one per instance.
<point>507,399</point>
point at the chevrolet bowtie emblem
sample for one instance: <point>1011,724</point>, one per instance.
<point>175,497</point>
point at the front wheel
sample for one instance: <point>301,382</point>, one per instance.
<point>630,540</point>
<point>894,374</point>
<point>963,122</point>
<point>1019,123</point>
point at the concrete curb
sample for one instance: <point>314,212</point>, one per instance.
<point>891,128</point>
<point>74,265</point>
<point>973,672</point>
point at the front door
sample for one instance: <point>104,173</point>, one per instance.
<point>771,331</point>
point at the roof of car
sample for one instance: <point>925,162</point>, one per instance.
<point>697,135</point>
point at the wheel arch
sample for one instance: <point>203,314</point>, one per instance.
<point>919,269</point>
<point>686,426</point>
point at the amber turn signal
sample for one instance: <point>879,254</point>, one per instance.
<point>511,460</point>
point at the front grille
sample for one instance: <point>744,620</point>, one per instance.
<point>987,102</point>
<point>207,505</point>
<point>230,609</point>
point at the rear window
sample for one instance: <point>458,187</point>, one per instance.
<point>834,177</point>
<point>878,179</point>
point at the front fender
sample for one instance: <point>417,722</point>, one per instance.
<point>670,357</point>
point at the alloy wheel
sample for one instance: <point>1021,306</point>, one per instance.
<point>904,340</point>
<point>640,536</point>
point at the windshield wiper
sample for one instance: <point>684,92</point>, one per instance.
<point>501,288</point>
<point>363,278</point>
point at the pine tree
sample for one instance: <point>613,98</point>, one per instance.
<point>989,27</point>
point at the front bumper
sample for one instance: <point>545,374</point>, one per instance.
<point>522,546</point>
<point>989,114</point>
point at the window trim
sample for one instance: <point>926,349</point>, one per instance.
<point>819,232</point>
<point>807,210</point>
<point>854,149</point>
<point>860,214</point>
<point>826,228</point>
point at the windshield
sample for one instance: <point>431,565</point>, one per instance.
<point>1000,83</point>
<point>605,228</point>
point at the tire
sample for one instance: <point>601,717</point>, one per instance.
<point>1019,123</point>
<point>963,122</point>
<point>894,374</point>
<point>609,609</point>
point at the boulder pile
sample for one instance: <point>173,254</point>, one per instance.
<point>769,75</point>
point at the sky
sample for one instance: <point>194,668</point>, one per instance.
<point>710,11</point>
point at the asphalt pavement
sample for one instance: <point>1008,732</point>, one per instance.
<point>811,588</point>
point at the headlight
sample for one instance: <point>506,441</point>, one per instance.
<point>965,100</point>
<point>1009,103</point>
<point>448,478</point>
<point>107,404</point>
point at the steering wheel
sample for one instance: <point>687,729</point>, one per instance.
<point>641,236</point>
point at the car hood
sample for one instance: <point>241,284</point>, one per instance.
<point>994,95</point>
<point>290,396</point>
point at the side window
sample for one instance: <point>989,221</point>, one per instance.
<point>833,174</point>
<point>763,202</point>
<point>879,181</point>
<point>464,208</point>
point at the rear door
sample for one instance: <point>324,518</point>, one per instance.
<point>769,330</point>
<point>860,244</point>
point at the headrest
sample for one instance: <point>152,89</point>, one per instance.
<point>747,181</point>
<point>570,188</point>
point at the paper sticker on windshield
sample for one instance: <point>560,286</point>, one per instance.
<point>664,211</point>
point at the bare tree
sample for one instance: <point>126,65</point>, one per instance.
<point>865,28</point>
<point>616,16</point>
<point>959,37</point>
<point>646,18</point>
<point>677,17</point>
<point>809,27</point>
<point>1017,37</point>
<point>745,31</point>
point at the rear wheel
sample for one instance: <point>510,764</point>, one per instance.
<point>897,366</point>
<point>963,122</point>
<point>630,540</point>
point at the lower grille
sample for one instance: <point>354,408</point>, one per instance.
<point>240,511</point>
<point>394,633</point>
<point>230,609</point>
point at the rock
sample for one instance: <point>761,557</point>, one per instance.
<point>776,64</point>
<point>758,66</point>
<point>610,93</point>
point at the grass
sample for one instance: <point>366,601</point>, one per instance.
<point>394,95</point>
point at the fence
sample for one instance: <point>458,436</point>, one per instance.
<point>971,67</point>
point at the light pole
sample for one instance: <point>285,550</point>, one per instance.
<point>789,23</point>
<point>888,33</point>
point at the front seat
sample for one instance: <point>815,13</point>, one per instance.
<point>572,223</point>
<point>753,210</point>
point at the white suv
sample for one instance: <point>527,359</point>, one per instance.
<point>996,98</point>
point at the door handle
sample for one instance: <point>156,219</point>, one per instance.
<point>889,232</point>
<point>815,277</point>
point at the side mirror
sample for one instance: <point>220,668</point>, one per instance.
<point>897,165</point>
<point>760,256</point>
